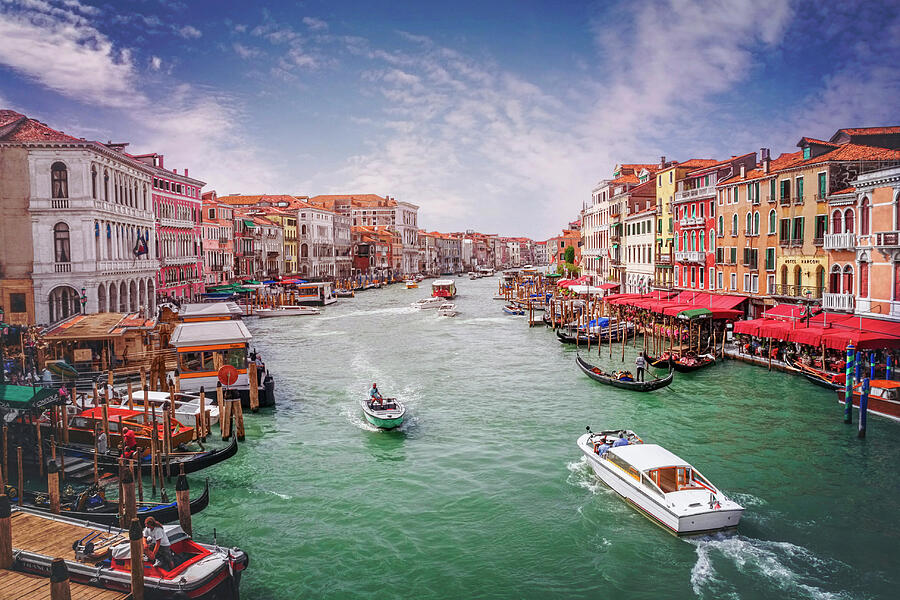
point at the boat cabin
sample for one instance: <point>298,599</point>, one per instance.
<point>443,288</point>
<point>881,388</point>
<point>658,470</point>
<point>204,347</point>
<point>214,311</point>
<point>318,294</point>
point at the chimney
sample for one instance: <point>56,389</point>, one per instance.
<point>161,164</point>
<point>764,155</point>
<point>185,172</point>
<point>175,171</point>
<point>662,161</point>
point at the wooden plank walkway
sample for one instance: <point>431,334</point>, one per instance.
<point>50,538</point>
<point>24,586</point>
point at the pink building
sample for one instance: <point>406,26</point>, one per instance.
<point>177,208</point>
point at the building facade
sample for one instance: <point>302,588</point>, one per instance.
<point>218,240</point>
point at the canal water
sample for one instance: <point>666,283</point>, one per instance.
<point>483,493</point>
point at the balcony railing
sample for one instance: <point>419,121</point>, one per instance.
<point>797,291</point>
<point>692,222</point>
<point>818,241</point>
<point>59,203</point>
<point>663,259</point>
<point>178,260</point>
<point>837,301</point>
<point>821,197</point>
<point>708,191</point>
<point>63,267</point>
<point>177,223</point>
<point>887,238</point>
<point>127,266</point>
<point>770,199</point>
<point>798,199</point>
<point>786,201</point>
<point>690,256</point>
<point>840,241</point>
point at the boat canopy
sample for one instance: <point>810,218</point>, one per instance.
<point>26,397</point>
<point>442,282</point>
<point>208,333</point>
<point>646,457</point>
<point>210,310</point>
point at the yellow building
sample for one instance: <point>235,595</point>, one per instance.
<point>288,222</point>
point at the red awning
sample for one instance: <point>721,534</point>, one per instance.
<point>780,330</point>
<point>674,309</point>
<point>861,339</point>
<point>750,327</point>
<point>811,336</point>
<point>608,286</point>
<point>782,311</point>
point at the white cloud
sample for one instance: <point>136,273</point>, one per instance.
<point>155,63</point>
<point>189,32</point>
<point>246,52</point>
<point>315,24</point>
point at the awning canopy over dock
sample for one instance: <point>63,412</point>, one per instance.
<point>788,323</point>
<point>208,333</point>
<point>99,326</point>
<point>210,311</point>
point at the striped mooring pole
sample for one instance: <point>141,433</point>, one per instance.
<point>848,389</point>
<point>863,407</point>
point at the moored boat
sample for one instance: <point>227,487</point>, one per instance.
<point>187,406</point>
<point>511,309</point>
<point>286,311</point>
<point>447,309</point>
<point>820,378</point>
<point>387,414</point>
<point>664,487</point>
<point>884,398</point>
<point>83,425</point>
<point>345,294</point>
<point>623,382</point>
<point>100,556</point>
<point>428,303</point>
<point>191,461</point>
<point>687,364</point>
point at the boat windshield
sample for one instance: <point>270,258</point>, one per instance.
<point>676,479</point>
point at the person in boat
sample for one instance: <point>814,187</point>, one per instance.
<point>640,363</point>
<point>157,546</point>
<point>102,443</point>
<point>374,395</point>
<point>602,448</point>
<point>130,449</point>
<point>622,441</point>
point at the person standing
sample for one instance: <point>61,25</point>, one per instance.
<point>640,363</point>
<point>374,395</point>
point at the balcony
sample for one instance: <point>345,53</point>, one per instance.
<point>797,291</point>
<point>177,223</point>
<point>663,260</point>
<point>837,301</point>
<point>841,241</point>
<point>692,222</point>
<point>59,203</point>
<point>818,241</point>
<point>784,201</point>
<point>127,266</point>
<point>168,261</point>
<point>770,199</point>
<point>691,256</point>
<point>708,191</point>
<point>798,200</point>
<point>821,197</point>
<point>62,267</point>
<point>887,239</point>
<point>224,240</point>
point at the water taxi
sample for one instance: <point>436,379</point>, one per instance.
<point>661,485</point>
<point>411,284</point>
<point>448,309</point>
<point>387,414</point>
<point>319,294</point>
<point>286,311</point>
<point>428,303</point>
<point>187,406</point>
<point>884,398</point>
<point>443,288</point>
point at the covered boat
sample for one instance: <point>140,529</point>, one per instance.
<point>884,398</point>
<point>448,309</point>
<point>286,311</point>
<point>661,485</point>
<point>100,556</point>
<point>687,364</point>
<point>443,288</point>
<point>387,414</point>
<point>428,303</point>
<point>597,374</point>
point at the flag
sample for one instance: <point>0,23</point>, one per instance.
<point>140,246</point>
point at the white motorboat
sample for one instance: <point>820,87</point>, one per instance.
<point>186,405</point>
<point>661,485</point>
<point>428,303</point>
<point>448,309</point>
<point>411,284</point>
<point>286,311</point>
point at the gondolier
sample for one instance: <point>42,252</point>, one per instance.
<point>640,363</point>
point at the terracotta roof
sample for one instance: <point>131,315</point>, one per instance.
<point>850,152</point>
<point>849,190</point>
<point>720,163</point>
<point>697,163</point>
<point>16,127</point>
<point>330,200</point>
<point>637,167</point>
<point>810,140</point>
<point>784,161</point>
<point>869,130</point>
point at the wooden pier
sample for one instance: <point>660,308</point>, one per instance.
<point>24,586</point>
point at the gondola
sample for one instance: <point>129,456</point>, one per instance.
<point>193,462</point>
<point>107,513</point>
<point>573,337</point>
<point>637,386</point>
<point>661,363</point>
<point>513,310</point>
<point>704,362</point>
<point>820,378</point>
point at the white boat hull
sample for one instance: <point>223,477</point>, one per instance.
<point>694,523</point>
<point>293,311</point>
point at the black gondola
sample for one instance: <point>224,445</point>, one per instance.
<point>637,386</point>
<point>569,337</point>
<point>819,378</point>
<point>107,513</point>
<point>661,363</point>
<point>192,462</point>
<point>682,368</point>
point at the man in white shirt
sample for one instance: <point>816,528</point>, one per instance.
<point>158,547</point>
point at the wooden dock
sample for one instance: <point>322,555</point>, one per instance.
<point>24,586</point>
<point>50,538</point>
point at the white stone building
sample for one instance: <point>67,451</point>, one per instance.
<point>316,230</point>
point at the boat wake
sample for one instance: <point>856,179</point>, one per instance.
<point>777,568</point>
<point>581,475</point>
<point>391,310</point>
<point>354,415</point>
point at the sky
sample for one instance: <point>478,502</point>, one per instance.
<point>499,116</point>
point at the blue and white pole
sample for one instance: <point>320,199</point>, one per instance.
<point>863,407</point>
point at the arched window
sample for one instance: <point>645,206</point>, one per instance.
<point>693,241</point>
<point>712,240</point>
<point>756,223</point>
<point>106,184</point>
<point>837,222</point>
<point>94,184</point>
<point>798,279</point>
<point>61,243</point>
<point>848,280</point>
<point>848,220</point>
<point>721,231</point>
<point>734,224</point>
<point>773,222</point>
<point>64,302</point>
<point>748,225</point>
<point>59,180</point>
<point>684,241</point>
<point>702,246</point>
<point>834,280</point>
<point>864,218</point>
<point>863,280</point>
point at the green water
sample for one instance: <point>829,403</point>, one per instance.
<point>483,493</point>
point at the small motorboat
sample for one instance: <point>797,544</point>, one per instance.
<point>473,275</point>
<point>286,311</point>
<point>661,485</point>
<point>387,414</point>
<point>883,399</point>
<point>624,380</point>
<point>448,309</point>
<point>411,284</point>
<point>430,302</point>
<point>344,293</point>
<point>687,364</point>
<point>511,309</point>
<point>100,555</point>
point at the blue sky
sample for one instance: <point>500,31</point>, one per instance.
<point>499,116</point>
